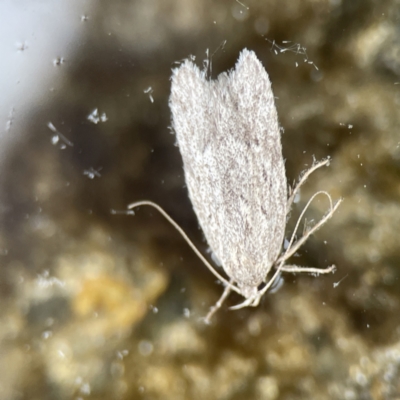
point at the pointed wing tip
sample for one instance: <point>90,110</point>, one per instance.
<point>247,55</point>
<point>186,67</point>
<point>187,75</point>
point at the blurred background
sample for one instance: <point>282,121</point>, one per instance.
<point>97,304</point>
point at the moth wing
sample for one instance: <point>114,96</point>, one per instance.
<point>229,138</point>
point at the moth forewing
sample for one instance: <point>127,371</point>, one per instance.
<point>229,138</point>
<point>228,134</point>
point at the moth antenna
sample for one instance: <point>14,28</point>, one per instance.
<point>293,247</point>
<point>303,177</point>
<point>188,241</point>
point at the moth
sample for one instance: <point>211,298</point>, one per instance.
<point>228,134</point>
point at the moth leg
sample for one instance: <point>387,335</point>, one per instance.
<point>297,268</point>
<point>256,300</point>
<point>304,176</point>
<point>219,303</point>
<point>293,247</point>
<point>251,301</point>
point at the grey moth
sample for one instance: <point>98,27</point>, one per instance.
<point>228,134</point>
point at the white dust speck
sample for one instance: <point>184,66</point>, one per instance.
<point>47,334</point>
<point>154,309</point>
<point>92,173</point>
<point>58,61</point>
<point>336,284</point>
<point>96,117</point>
<point>58,136</point>
<point>240,11</point>
<point>149,91</point>
<point>51,127</point>
<point>288,46</point>
<point>243,5</point>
